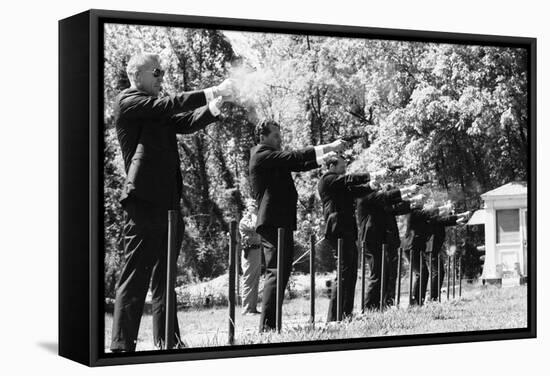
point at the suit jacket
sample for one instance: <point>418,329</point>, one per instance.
<point>146,129</point>
<point>437,236</point>
<point>400,208</point>
<point>418,228</point>
<point>338,194</point>
<point>372,216</point>
<point>272,184</point>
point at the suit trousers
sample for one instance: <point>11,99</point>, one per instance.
<point>413,255</point>
<point>251,262</point>
<point>391,270</point>
<point>349,278</point>
<point>269,298</point>
<point>374,278</point>
<point>434,288</point>
<point>146,238</point>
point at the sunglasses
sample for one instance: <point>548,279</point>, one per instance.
<point>157,72</point>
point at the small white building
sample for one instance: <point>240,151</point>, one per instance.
<point>505,218</point>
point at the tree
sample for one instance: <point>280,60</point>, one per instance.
<point>455,114</point>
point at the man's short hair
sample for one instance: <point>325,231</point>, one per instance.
<point>332,161</point>
<point>263,128</point>
<point>138,61</point>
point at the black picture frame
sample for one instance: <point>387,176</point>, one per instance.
<point>81,191</point>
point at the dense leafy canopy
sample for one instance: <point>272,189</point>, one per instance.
<point>456,114</point>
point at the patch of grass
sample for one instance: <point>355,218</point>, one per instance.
<point>480,308</point>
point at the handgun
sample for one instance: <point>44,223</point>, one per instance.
<point>395,167</point>
<point>352,138</point>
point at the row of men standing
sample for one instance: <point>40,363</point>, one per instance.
<point>273,188</point>
<point>146,126</point>
<point>351,199</point>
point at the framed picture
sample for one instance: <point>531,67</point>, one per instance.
<point>234,187</point>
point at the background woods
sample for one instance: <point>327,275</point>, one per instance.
<point>452,113</point>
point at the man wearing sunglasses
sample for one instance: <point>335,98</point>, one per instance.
<point>147,126</point>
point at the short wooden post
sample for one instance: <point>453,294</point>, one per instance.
<point>460,277</point>
<point>312,280</point>
<point>169,335</point>
<point>232,279</point>
<point>448,276</point>
<point>399,259</point>
<point>454,274</point>
<point>383,276</point>
<point>430,280</point>
<point>280,274</point>
<point>421,282</point>
<point>411,258</point>
<point>363,251</point>
<point>439,277</point>
<point>339,280</point>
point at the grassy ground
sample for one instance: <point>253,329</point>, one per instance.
<point>479,308</point>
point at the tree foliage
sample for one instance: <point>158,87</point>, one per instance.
<point>453,113</point>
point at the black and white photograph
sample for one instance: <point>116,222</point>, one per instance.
<point>276,187</point>
<point>285,188</point>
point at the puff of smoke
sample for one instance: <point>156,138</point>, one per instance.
<point>251,86</point>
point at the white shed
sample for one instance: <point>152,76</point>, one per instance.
<point>505,218</point>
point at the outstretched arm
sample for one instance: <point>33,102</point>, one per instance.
<point>192,121</point>
<point>400,208</point>
<point>383,199</point>
<point>306,166</point>
<point>445,220</point>
<point>141,105</point>
<point>298,160</point>
<point>353,184</point>
<point>294,160</point>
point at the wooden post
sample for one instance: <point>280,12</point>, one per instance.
<point>312,279</point>
<point>454,260</point>
<point>169,335</point>
<point>460,277</point>
<point>420,264</point>
<point>411,254</point>
<point>280,274</point>
<point>448,276</point>
<point>238,299</point>
<point>363,251</point>
<point>232,279</point>
<point>339,280</point>
<point>454,274</point>
<point>399,257</point>
<point>439,277</point>
<point>430,280</point>
<point>383,276</point>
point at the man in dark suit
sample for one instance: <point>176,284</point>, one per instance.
<point>418,229</point>
<point>273,188</point>
<point>146,126</point>
<point>373,230</point>
<point>338,192</point>
<point>393,240</point>
<point>435,242</point>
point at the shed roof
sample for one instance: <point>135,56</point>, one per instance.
<point>515,188</point>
